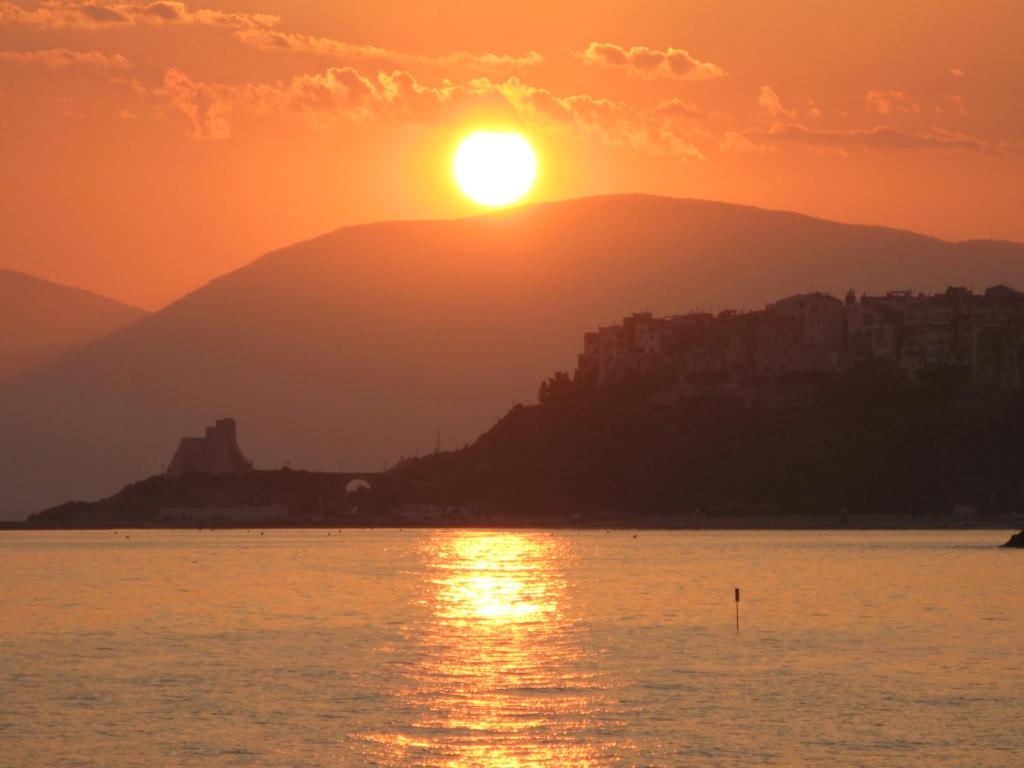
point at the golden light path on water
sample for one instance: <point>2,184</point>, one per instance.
<point>501,678</point>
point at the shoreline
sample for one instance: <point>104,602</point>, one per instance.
<point>509,525</point>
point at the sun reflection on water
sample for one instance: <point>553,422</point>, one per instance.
<point>503,676</point>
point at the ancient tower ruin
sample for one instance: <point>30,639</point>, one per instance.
<point>216,454</point>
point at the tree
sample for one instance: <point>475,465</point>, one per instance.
<point>559,388</point>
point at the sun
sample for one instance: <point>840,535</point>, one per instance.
<point>493,168</point>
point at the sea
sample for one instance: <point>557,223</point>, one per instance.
<point>510,648</point>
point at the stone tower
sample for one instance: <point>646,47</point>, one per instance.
<point>215,454</point>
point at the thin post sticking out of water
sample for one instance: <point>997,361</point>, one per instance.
<point>737,609</point>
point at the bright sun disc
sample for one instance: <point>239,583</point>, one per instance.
<point>495,168</point>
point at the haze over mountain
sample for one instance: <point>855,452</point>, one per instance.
<point>352,349</point>
<point>43,320</point>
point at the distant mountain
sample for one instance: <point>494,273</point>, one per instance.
<point>43,320</point>
<point>352,349</point>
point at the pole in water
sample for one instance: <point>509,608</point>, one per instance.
<point>737,609</point>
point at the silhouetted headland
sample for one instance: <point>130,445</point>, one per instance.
<point>888,411</point>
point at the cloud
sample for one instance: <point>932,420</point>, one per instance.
<point>735,143</point>
<point>888,102</point>
<point>953,103</point>
<point>321,99</point>
<point>45,15</point>
<point>649,62</point>
<point>600,121</point>
<point>207,107</point>
<point>103,14</point>
<point>879,138</point>
<point>677,108</point>
<point>956,72</point>
<point>343,94</point>
<point>60,14</point>
<point>253,29</point>
<point>166,11</point>
<point>771,104</point>
<point>267,39</point>
<point>59,58</point>
<point>340,94</point>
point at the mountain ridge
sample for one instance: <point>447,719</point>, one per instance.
<point>43,320</point>
<point>26,277</point>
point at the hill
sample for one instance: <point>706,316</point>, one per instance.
<point>42,320</point>
<point>352,349</point>
<point>861,448</point>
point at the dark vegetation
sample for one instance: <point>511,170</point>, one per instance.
<point>311,497</point>
<point>835,447</point>
<point>861,449</point>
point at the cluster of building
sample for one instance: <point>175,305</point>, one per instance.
<point>979,334</point>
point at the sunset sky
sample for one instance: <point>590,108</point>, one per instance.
<point>150,147</point>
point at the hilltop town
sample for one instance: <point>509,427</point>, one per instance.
<point>898,410</point>
<point>914,335</point>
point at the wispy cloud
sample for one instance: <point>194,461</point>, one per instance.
<point>343,94</point>
<point>770,103</point>
<point>878,138</point>
<point>736,143</point>
<point>206,107</point>
<point>651,62</point>
<point>886,102</point>
<point>258,30</point>
<point>102,14</point>
<point>678,108</point>
<point>269,39</point>
<point>953,103</point>
<point>603,121</point>
<point>59,58</point>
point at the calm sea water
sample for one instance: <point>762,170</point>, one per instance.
<point>535,648</point>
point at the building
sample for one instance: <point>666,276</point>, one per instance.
<point>216,453</point>
<point>614,351</point>
<point>981,335</point>
<point>799,334</point>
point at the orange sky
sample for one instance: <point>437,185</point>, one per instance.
<point>148,147</point>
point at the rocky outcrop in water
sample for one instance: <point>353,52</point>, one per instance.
<point>1016,541</point>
